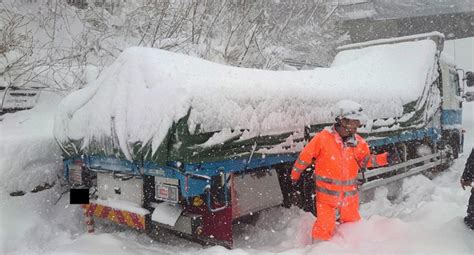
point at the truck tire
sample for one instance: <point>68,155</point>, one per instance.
<point>455,145</point>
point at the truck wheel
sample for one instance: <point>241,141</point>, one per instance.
<point>454,141</point>
<point>449,157</point>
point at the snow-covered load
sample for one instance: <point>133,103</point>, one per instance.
<point>195,145</point>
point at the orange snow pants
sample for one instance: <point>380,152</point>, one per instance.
<point>325,224</point>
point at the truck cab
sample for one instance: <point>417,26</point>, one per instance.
<point>451,106</point>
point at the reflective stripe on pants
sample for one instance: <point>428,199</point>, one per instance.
<point>336,193</point>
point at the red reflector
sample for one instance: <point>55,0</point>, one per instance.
<point>77,162</point>
<point>163,192</point>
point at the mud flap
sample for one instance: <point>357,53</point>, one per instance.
<point>217,226</point>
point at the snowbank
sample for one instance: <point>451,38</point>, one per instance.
<point>138,98</point>
<point>425,217</point>
<point>29,154</point>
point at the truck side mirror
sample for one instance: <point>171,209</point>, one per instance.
<point>470,79</point>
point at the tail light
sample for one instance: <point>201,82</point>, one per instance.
<point>79,175</point>
<point>76,172</point>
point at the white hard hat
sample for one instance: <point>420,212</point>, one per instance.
<point>349,110</point>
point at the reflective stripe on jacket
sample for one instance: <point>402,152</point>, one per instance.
<point>336,165</point>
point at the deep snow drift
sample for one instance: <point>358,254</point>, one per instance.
<point>423,216</point>
<point>29,154</point>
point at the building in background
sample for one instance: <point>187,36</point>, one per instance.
<point>373,19</point>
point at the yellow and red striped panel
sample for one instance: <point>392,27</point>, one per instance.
<point>122,217</point>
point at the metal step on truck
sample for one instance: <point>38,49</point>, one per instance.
<point>168,142</point>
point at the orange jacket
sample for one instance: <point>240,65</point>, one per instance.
<point>336,166</point>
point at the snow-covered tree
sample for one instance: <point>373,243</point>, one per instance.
<point>53,44</point>
<point>39,45</point>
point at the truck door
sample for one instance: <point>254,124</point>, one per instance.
<point>451,115</point>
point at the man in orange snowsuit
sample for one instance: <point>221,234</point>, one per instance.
<point>337,153</point>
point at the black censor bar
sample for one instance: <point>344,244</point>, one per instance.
<point>79,196</point>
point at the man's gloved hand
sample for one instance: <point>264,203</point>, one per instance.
<point>392,158</point>
<point>465,183</point>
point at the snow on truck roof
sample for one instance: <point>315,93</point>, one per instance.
<point>145,90</point>
<point>434,36</point>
